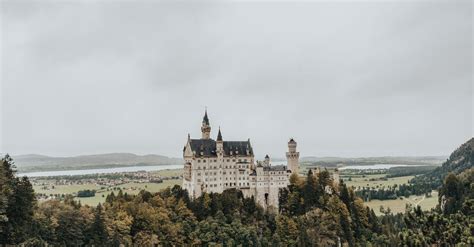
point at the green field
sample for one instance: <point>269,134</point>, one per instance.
<point>396,205</point>
<point>168,172</point>
<point>364,181</point>
<point>399,205</point>
<point>101,194</point>
<point>130,188</point>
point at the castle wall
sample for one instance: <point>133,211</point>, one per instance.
<point>215,174</point>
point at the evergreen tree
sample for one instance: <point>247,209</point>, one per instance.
<point>98,229</point>
<point>18,202</point>
<point>309,191</point>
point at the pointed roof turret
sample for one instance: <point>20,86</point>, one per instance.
<point>205,119</point>
<point>219,135</point>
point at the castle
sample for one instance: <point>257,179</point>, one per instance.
<point>216,165</point>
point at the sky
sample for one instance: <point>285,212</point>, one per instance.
<point>351,79</point>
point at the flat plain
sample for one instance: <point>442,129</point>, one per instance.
<point>399,205</point>
<point>377,181</point>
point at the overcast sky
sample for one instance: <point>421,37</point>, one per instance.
<point>344,79</point>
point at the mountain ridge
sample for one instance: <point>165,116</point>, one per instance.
<point>37,162</point>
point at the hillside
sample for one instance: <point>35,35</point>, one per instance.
<point>460,160</point>
<point>34,162</point>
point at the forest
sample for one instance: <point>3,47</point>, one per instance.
<point>314,211</point>
<point>427,178</point>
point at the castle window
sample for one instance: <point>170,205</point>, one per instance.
<point>204,161</point>
<point>228,160</point>
<point>215,160</point>
<point>199,161</point>
<point>233,160</point>
<point>245,160</point>
<point>199,180</point>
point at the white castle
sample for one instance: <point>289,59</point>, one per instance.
<point>216,165</point>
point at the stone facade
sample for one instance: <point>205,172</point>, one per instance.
<point>216,165</point>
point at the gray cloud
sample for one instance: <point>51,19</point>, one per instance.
<point>347,79</point>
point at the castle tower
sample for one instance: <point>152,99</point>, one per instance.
<point>219,144</point>
<point>292,157</point>
<point>206,127</point>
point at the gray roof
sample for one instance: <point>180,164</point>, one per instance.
<point>208,147</point>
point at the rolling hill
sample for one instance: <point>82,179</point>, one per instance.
<point>459,161</point>
<point>35,162</point>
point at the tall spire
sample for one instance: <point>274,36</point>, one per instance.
<point>219,135</point>
<point>206,127</point>
<point>205,119</point>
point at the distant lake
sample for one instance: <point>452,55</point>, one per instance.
<point>100,171</point>
<point>373,167</point>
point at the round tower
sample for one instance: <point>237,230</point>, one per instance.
<point>292,157</point>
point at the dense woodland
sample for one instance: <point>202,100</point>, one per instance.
<point>314,211</point>
<point>408,171</point>
<point>427,178</point>
<point>460,160</point>
<point>392,192</point>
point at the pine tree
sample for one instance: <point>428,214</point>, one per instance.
<point>309,191</point>
<point>18,194</point>
<point>98,230</point>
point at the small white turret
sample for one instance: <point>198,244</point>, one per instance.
<point>267,160</point>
